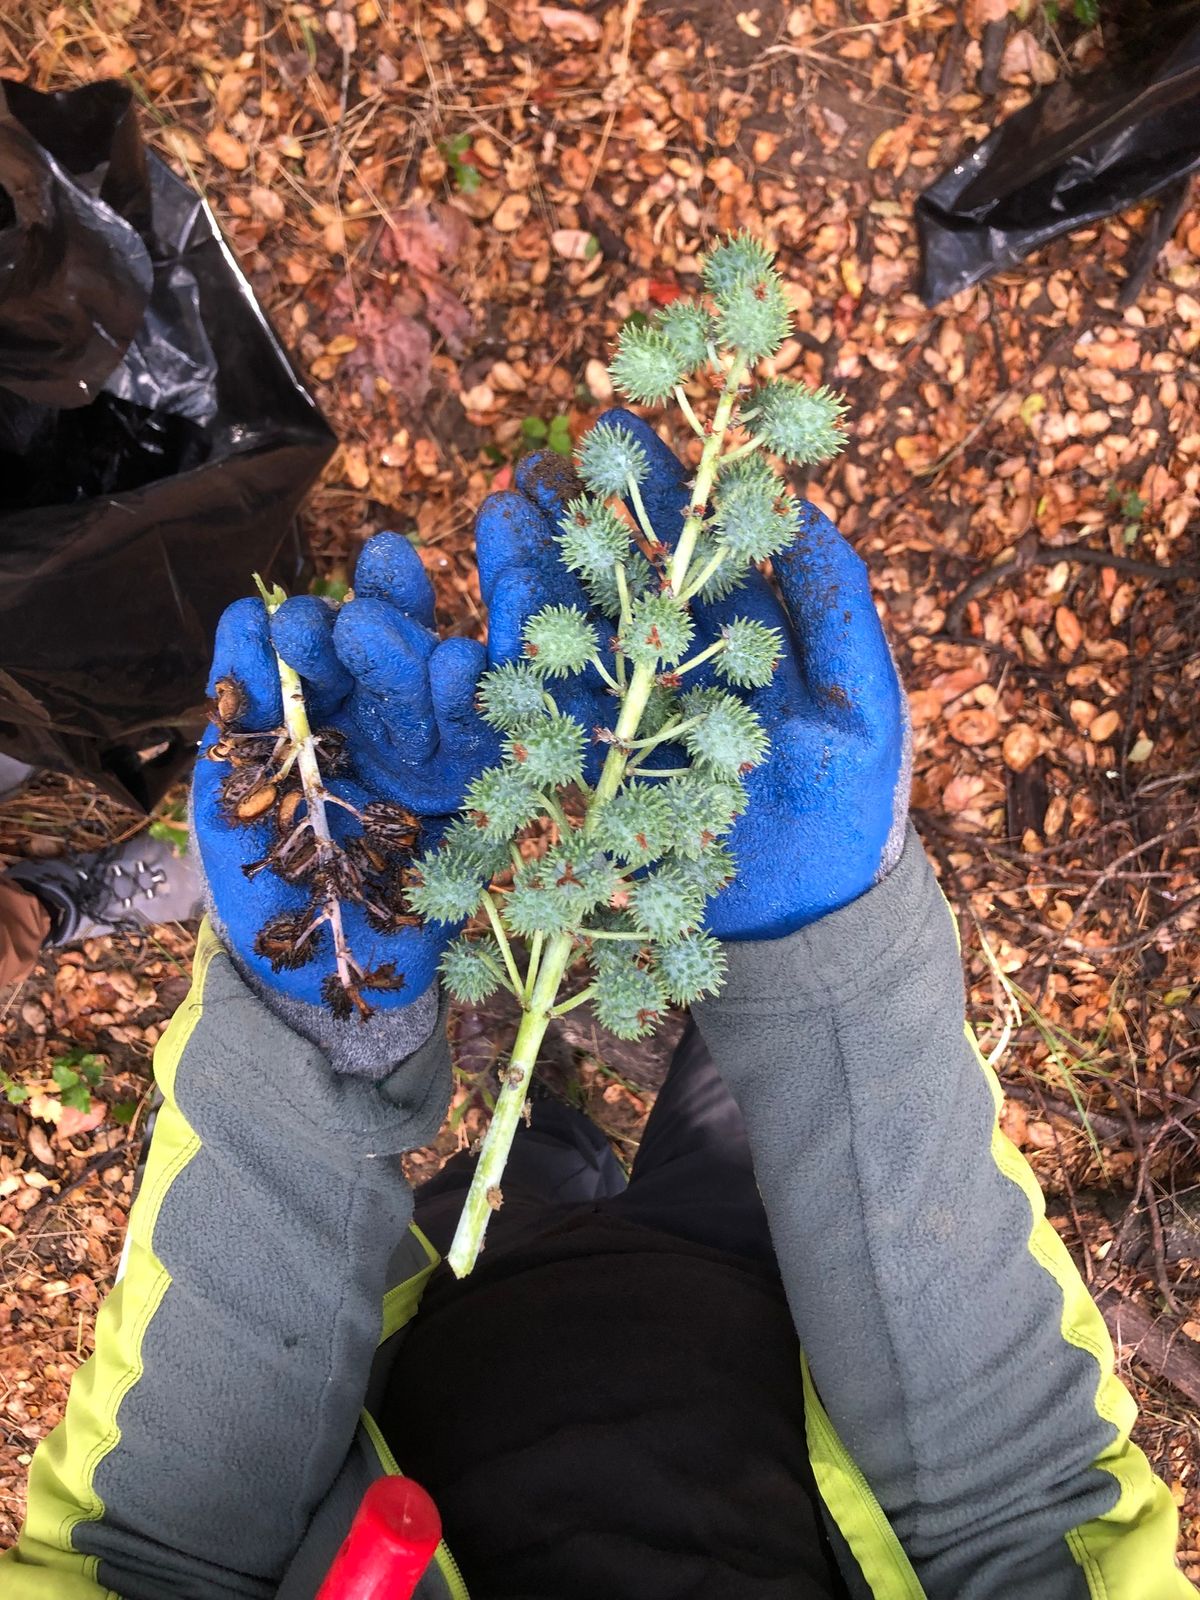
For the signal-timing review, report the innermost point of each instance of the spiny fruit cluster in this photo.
(638, 855)
(264, 784)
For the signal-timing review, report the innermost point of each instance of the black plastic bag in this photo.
(155, 442)
(1081, 149)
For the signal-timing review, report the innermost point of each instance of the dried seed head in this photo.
(338, 875)
(341, 1001)
(384, 976)
(331, 752)
(289, 940)
(384, 823)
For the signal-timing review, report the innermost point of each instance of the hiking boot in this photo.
(128, 886)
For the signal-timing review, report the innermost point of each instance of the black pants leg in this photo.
(692, 1177)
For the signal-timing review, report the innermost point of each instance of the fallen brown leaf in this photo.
(1066, 625)
(976, 725)
(230, 152)
(577, 26)
(1021, 746)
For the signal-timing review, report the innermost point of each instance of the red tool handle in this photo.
(390, 1544)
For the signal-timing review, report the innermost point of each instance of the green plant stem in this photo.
(535, 958)
(643, 516)
(707, 571)
(694, 661)
(556, 814)
(685, 405)
(575, 1000)
(706, 474)
(484, 1195)
(641, 748)
(622, 578)
(605, 674)
(498, 975)
(506, 950)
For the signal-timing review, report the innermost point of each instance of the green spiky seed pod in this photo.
(739, 258)
(559, 640)
(754, 317)
(585, 877)
(665, 904)
(466, 845)
(702, 808)
(728, 738)
(709, 872)
(800, 424)
(535, 905)
(472, 970)
(501, 801)
(647, 365)
(688, 327)
(548, 752)
(511, 696)
(592, 537)
(753, 510)
(449, 889)
(692, 967)
(751, 653)
(628, 1000)
(659, 630)
(636, 826)
(609, 457)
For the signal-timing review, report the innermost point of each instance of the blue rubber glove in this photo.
(828, 808)
(403, 702)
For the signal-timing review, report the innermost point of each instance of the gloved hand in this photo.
(827, 810)
(516, 550)
(403, 702)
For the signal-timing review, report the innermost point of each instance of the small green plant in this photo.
(464, 174)
(556, 434)
(170, 825)
(633, 859)
(335, 589)
(1131, 508)
(1085, 12)
(15, 1093)
(77, 1073)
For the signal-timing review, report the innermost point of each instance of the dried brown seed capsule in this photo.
(288, 807)
(229, 701)
(257, 803)
(384, 976)
(239, 787)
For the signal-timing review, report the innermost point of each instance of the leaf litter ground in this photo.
(449, 212)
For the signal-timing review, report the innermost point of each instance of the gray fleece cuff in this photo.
(370, 1049)
(836, 957)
